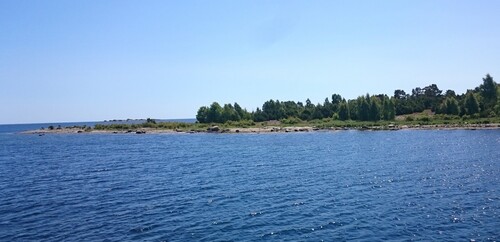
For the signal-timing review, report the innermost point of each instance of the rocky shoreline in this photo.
(266, 129)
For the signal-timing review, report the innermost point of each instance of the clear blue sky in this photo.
(95, 60)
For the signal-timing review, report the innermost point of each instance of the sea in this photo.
(406, 185)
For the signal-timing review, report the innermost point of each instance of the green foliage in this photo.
(374, 113)
(471, 104)
(425, 119)
(214, 113)
(446, 117)
(344, 113)
(240, 124)
(217, 114)
(488, 91)
(229, 114)
(497, 108)
(389, 109)
(483, 100)
(363, 108)
(202, 115)
(449, 106)
(113, 126)
(409, 118)
(242, 113)
(259, 116)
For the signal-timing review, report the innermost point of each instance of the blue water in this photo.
(331, 186)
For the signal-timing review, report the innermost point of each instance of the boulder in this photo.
(213, 129)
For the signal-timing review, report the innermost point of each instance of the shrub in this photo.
(425, 119)
(291, 120)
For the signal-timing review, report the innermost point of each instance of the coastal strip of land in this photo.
(261, 129)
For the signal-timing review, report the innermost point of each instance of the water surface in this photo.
(332, 186)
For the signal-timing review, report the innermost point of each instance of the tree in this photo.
(432, 96)
(308, 111)
(432, 91)
(353, 106)
(488, 91)
(450, 106)
(388, 109)
(259, 116)
(243, 113)
(483, 100)
(450, 93)
(328, 109)
(399, 94)
(402, 106)
(229, 114)
(363, 108)
(416, 92)
(202, 115)
(214, 113)
(374, 109)
(292, 109)
(273, 109)
(471, 105)
(344, 111)
(317, 113)
(497, 106)
(336, 99)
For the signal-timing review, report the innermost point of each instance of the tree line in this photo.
(482, 101)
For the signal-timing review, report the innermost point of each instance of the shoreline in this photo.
(265, 129)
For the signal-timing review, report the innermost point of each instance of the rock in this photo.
(213, 129)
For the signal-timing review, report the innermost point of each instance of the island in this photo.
(424, 108)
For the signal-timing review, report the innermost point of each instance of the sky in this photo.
(93, 60)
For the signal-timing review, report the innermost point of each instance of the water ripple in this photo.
(336, 186)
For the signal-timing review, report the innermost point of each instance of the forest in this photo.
(481, 102)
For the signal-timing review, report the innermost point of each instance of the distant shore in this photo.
(265, 129)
